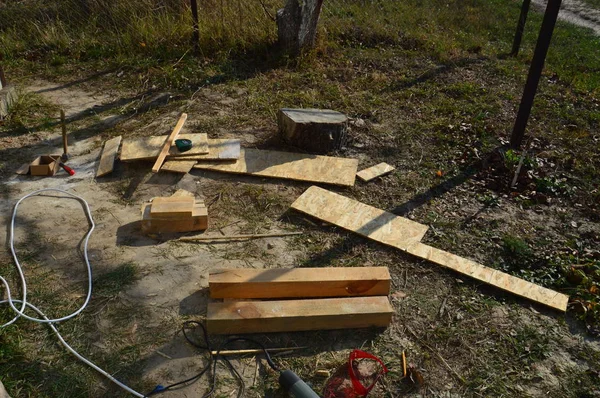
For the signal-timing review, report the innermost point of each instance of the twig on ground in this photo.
(236, 237)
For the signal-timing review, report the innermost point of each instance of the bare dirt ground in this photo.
(466, 325)
(578, 13)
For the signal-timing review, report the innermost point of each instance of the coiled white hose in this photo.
(20, 312)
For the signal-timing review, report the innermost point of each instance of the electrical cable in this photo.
(213, 361)
(24, 304)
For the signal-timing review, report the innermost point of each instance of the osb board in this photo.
(178, 166)
(293, 166)
(148, 148)
(373, 172)
(107, 158)
(240, 317)
(385, 228)
(243, 283)
(491, 276)
(358, 217)
(218, 149)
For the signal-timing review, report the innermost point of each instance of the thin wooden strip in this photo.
(499, 279)
(299, 282)
(178, 166)
(373, 172)
(108, 156)
(237, 237)
(147, 148)
(240, 317)
(168, 142)
(288, 165)
(358, 217)
(385, 228)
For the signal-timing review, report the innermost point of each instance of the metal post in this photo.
(520, 27)
(535, 72)
(196, 27)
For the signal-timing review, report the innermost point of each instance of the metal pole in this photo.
(196, 27)
(535, 72)
(520, 27)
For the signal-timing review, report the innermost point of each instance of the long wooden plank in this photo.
(373, 172)
(500, 279)
(299, 282)
(358, 217)
(239, 317)
(168, 142)
(388, 229)
(218, 149)
(288, 165)
(107, 158)
(147, 148)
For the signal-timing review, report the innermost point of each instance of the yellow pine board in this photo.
(239, 317)
(174, 206)
(491, 276)
(244, 283)
(288, 165)
(148, 148)
(107, 158)
(358, 217)
(373, 172)
(178, 166)
(169, 142)
(385, 228)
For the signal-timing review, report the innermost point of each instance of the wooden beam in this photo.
(198, 221)
(168, 142)
(391, 230)
(172, 207)
(108, 156)
(240, 317)
(299, 282)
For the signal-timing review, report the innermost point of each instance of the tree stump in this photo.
(297, 24)
(315, 130)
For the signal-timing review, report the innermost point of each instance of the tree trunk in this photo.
(297, 24)
(314, 130)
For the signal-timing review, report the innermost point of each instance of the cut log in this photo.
(297, 25)
(315, 130)
(239, 317)
(299, 282)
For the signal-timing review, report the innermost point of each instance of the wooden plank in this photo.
(373, 172)
(388, 229)
(173, 207)
(23, 170)
(218, 149)
(288, 165)
(299, 282)
(108, 156)
(358, 217)
(240, 317)
(198, 221)
(147, 148)
(499, 279)
(168, 142)
(178, 166)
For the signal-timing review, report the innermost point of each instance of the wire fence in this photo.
(95, 28)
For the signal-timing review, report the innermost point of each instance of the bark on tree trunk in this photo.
(297, 24)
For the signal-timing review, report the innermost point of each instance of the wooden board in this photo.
(358, 217)
(178, 166)
(23, 170)
(491, 276)
(240, 317)
(173, 207)
(373, 172)
(299, 282)
(198, 221)
(170, 141)
(147, 148)
(391, 230)
(108, 156)
(288, 165)
(218, 149)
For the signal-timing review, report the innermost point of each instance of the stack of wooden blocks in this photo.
(298, 299)
(177, 213)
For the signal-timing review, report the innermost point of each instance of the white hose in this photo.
(20, 312)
